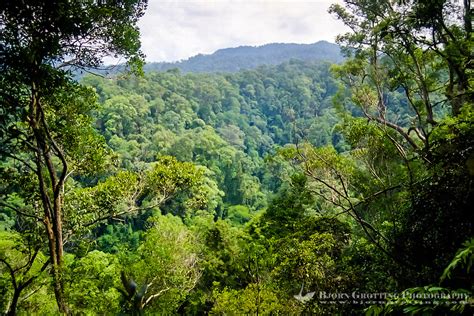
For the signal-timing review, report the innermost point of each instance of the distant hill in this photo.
(240, 58)
(249, 57)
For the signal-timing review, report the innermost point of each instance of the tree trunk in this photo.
(51, 186)
(56, 262)
(14, 302)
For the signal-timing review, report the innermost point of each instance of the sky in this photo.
(176, 30)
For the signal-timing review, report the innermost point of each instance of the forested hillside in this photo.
(306, 187)
(228, 123)
(249, 57)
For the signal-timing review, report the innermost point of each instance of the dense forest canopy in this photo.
(303, 187)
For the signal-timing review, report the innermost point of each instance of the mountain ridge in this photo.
(234, 59)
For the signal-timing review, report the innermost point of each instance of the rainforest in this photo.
(281, 180)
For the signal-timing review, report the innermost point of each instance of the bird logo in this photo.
(304, 298)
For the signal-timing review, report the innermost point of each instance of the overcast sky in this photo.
(179, 29)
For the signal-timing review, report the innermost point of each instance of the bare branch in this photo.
(16, 210)
(12, 272)
(149, 299)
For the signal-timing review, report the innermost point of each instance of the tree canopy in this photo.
(263, 191)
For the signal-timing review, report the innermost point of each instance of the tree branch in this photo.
(148, 300)
(15, 209)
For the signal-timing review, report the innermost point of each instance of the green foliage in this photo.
(91, 205)
(365, 267)
(127, 193)
(72, 126)
(238, 214)
(306, 261)
(165, 266)
(45, 115)
(119, 237)
(463, 259)
(254, 299)
(21, 267)
(167, 176)
(227, 123)
(91, 279)
(235, 193)
(222, 253)
(435, 299)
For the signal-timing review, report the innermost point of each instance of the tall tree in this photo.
(40, 43)
(423, 51)
(419, 47)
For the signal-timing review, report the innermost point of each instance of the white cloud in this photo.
(174, 30)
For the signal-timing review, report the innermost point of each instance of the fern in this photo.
(464, 257)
